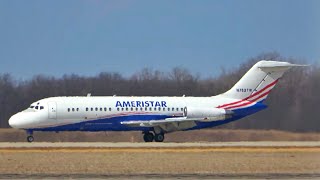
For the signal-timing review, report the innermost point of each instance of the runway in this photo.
(161, 160)
(164, 144)
(163, 147)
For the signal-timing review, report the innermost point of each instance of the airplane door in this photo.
(52, 110)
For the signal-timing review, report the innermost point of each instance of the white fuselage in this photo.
(61, 111)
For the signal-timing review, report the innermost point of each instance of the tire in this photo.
(30, 139)
(159, 137)
(148, 137)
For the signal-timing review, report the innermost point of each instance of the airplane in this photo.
(153, 116)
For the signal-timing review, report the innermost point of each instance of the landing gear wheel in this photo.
(30, 139)
(148, 137)
(159, 137)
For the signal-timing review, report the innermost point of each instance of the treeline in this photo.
(293, 104)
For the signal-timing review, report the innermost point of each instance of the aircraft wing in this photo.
(152, 123)
(173, 124)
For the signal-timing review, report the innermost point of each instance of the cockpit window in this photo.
(37, 106)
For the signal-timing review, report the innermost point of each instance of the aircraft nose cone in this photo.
(14, 121)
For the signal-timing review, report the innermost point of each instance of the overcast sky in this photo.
(87, 37)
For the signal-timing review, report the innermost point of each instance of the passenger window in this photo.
(159, 109)
(168, 109)
(181, 109)
(172, 109)
(127, 109)
(122, 109)
(109, 109)
(150, 109)
(37, 107)
(87, 109)
(68, 109)
(118, 109)
(91, 109)
(177, 109)
(72, 109)
(155, 109)
(146, 109)
(100, 109)
(131, 109)
(136, 109)
(164, 109)
(41, 107)
(141, 109)
(96, 109)
(77, 109)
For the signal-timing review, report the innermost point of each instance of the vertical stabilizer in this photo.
(257, 83)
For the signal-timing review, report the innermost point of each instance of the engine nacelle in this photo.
(207, 114)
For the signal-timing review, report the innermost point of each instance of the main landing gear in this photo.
(149, 137)
(30, 136)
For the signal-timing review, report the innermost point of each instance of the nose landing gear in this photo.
(30, 139)
(30, 136)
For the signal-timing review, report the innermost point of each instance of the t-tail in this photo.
(256, 84)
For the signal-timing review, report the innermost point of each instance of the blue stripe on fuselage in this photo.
(107, 124)
(238, 114)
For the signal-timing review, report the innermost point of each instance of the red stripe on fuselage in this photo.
(251, 96)
(249, 102)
